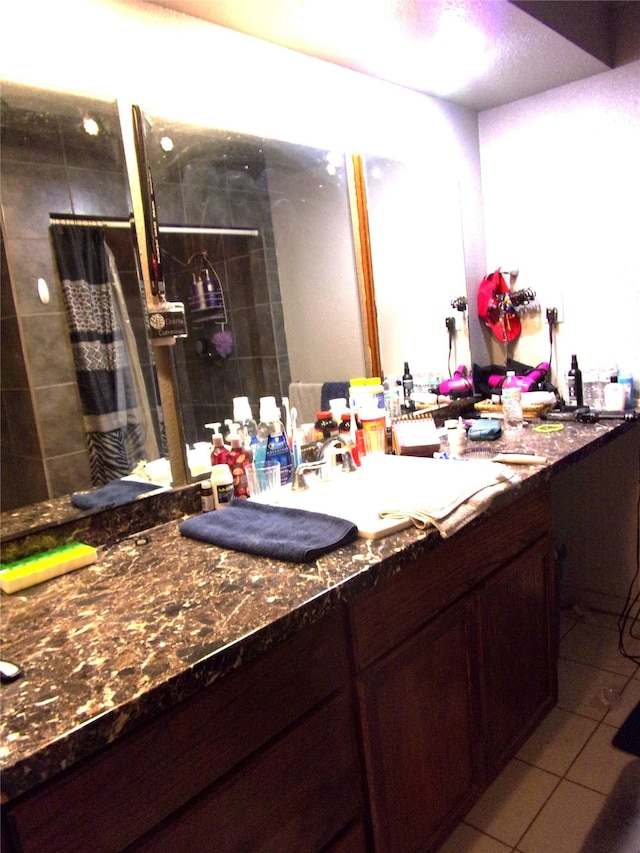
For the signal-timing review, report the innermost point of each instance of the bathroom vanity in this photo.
(180, 697)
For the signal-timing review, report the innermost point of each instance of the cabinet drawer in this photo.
(152, 772)
(383, 617)
(295, 796)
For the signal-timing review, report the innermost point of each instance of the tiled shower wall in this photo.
(219, 180)
(49, 165)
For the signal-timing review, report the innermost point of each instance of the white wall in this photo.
(561, 184)
(561, 190)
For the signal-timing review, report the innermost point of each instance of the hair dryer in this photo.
(524, 382)
(458, 386)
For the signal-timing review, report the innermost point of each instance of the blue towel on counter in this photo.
(295, 535)
(333, 391)
(115, 493)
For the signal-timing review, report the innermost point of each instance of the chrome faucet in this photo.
(299, 483)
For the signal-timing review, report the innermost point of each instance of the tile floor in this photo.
(568, 781)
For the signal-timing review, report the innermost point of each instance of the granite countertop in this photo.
(159, 617)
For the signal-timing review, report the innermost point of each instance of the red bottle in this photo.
(237, 458)
(220, 452)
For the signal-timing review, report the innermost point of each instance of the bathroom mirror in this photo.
(267, 223)
(62, 165)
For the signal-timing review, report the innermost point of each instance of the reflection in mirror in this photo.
(61, 154)
(417, 251)
(268, 223)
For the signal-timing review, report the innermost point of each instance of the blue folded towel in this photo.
(115, 493)
(295, 535)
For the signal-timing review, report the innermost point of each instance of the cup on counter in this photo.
(261, 480)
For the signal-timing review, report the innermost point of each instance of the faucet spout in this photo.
(299, 483)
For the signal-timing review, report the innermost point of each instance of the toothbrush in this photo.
(287, 422)
(295, 439)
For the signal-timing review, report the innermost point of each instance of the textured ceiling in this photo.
(478, 53)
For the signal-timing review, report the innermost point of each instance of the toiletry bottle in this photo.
(626, 380)
(272, 442)
(391, 399)
(222, 485)
(407, 388)
(211, 293)
(614, 396)
(344, 430)
(206, 496)
(278, 449)
(457, 436)
(512, 402)
(219, 452)
(243, 417)
(574, 383)
(325, 426)
(237, 460)
(196, 296)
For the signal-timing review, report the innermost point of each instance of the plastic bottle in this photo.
(222, 486)
(272, 442)
(614, 395)
(206, 496)
(325, 426)
(512, 402)
(237, 460)
(574, 383)
(407, 388)
(391, 398)
(457, 438)
(219, 452)
(626, 380)
(244, 418)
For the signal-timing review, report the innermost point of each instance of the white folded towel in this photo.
(460, 498)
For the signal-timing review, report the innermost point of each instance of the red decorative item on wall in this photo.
(496, 309)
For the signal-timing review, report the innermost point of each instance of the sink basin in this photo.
(383, 482)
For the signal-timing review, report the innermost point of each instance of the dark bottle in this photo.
(407, 388)
(325, 426)
(574, 383)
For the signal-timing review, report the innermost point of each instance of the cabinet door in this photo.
(518, 650)
(420, 712)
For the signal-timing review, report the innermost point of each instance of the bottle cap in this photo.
(269, 410)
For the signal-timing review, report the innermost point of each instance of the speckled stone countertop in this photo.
(159, 617)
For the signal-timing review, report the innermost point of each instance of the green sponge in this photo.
(49, 564)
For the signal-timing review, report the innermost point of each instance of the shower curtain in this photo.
(115, 407)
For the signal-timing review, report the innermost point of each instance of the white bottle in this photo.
(222, 486)
(457, 439)
(512, 403)
(614, 396)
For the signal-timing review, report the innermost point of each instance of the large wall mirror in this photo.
(267, 225)
(64, 187)
(256, 239)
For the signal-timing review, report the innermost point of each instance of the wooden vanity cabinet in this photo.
(264, 759)
(455, 661)
(519, 651)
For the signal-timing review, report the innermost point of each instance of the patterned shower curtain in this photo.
(115, 407)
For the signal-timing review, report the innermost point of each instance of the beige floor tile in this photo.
(597, 646)
(580, 687)
(629, 698)
(466, 839)
(599, 764)
(507, 808)
(557, 741)
(564, 822)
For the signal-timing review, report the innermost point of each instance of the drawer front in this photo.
(132, 785)
(295, 796)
